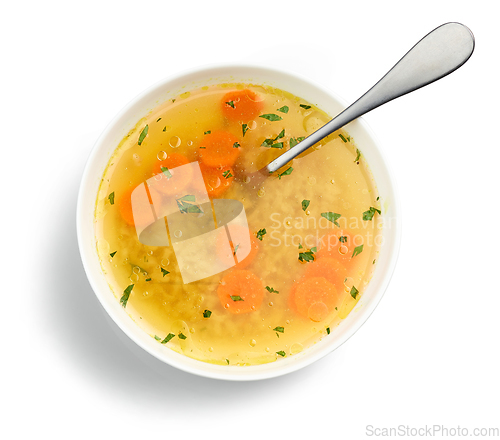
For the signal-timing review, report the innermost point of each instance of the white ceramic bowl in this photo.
(171, 87)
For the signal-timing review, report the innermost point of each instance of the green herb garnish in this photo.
(230, 103)
(307, 107)
(148, 279)
(271, 290)
(341, 136)
(125, 296)
(164, 272)
(271, 117)
(236, 297)
(143, 134)
(305, 204)
(281, 353)
(165, 171)
(354, 292)
(186, 205)
(207, 314)
(227, 360)
(227, 174)
(287, 172)
(112, 254)
(279, 329)
(158, 120)
(208, 132)
(182, 336)
(165, 128)
(332, 216)
(283, 109)
(111, 198)
(236, 145)
(167, 338)
(328, 330)
(307, 256)
(343, 239)
(295, 141)
(157, 338)
(236, 249)
(271, 141)
(357, 250)
(358, 155)
(244, 128)
(368, 215)
(277, 145)
(261, 233)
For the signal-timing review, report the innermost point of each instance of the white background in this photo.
(430, 352)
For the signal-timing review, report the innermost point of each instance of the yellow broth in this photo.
(320, 209)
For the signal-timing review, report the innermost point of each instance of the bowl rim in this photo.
(183, 362)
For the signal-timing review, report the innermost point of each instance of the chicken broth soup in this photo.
(220, 267)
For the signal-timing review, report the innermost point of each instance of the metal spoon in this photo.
(436, 55)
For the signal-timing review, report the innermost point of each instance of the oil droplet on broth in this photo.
(253, 342)
(261, 192)
(252, 125)
(165, 262)
(175, 141)
(178, 234)
(296, 348)
(343, 249)
(162, 155)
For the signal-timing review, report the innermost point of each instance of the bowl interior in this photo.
(169, 88)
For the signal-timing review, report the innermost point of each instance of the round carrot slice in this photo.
(241, 105)
(244, 247)
(240, 291)
(139, 216)
(314, 298)
(167, 168)
(218, 149)
(328, 268)
(217, 180)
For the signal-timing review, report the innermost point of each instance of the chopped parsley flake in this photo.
(281, 353)
(112, 254)
(148, 279)
(343, 239)
(227, 174)
(307, 107)
(306, 257)
(207, 314)
(332, 216)
(357, 250)
(158, 120)
(111, 198)
(165, 171)
(358, 155)
(283, 109)
(295, 141)
(186, 205)
(244, 128)
(287, 172)
(341, 136)
(167, 338)
(305, 204)
(236, 297)
(328, 330)
(236, 145)
(165, 128)
(230, 103)
(126, 295)
(368, 215)
(271, 117)
(164, 272)
(279, 329)
(271, 290)
(208, 132)
(157, 338)
(261, 233)
(143, 134)
(354, 292)
(236, 249)
(182, 336)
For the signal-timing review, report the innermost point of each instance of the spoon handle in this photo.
(436, 55)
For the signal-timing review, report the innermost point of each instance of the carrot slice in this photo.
(241, 105)
(165, 166)
(328, 268)
(142, 217)
(242, 244)
(241, 291)
(218, 149)
(314, 298)
(217, 180)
